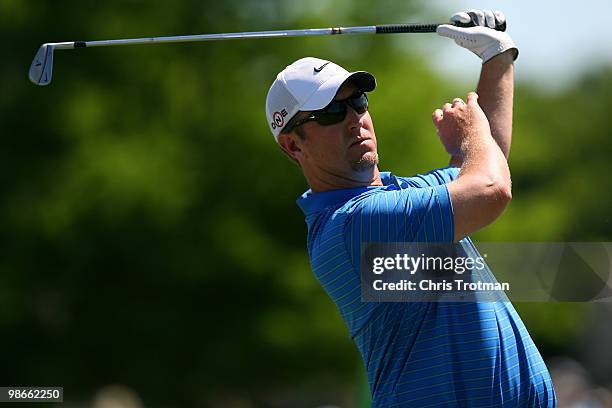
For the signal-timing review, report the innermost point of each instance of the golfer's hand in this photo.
(482, 39)
(460, 123)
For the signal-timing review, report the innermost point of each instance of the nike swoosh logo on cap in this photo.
(321, 67)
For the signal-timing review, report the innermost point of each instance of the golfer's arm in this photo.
(496, 93)
(482, 189)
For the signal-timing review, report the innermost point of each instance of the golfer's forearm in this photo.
(483, 189)
(496, 93)
(484, 163)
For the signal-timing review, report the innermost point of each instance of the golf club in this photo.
(42, 65)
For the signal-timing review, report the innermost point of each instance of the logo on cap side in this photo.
(278, 119)
(321, 67)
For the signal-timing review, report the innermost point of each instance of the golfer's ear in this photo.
(289, 145)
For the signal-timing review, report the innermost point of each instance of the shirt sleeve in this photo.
(433, 178)
(402, 215)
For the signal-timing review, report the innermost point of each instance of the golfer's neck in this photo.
(327, 181)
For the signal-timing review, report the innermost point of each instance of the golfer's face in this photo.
(343, 147)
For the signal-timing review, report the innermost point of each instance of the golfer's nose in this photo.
(352, 117)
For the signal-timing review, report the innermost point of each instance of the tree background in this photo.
(149, 233)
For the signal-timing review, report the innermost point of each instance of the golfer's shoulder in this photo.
(392, 208)
(432, 178)
(366, 208)
(398, 192)
(362, 203)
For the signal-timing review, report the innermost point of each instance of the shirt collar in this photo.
(311, 203)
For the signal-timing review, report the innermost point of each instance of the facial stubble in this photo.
(368, 161)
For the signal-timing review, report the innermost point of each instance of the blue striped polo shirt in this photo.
(429, 354)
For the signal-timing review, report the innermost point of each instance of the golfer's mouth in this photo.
(359, 141)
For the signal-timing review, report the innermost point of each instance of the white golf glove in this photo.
(482, 39)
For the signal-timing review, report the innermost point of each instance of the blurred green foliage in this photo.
(150, 235)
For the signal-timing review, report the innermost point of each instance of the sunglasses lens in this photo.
(330, 118)
(359, 103)
(335, 112)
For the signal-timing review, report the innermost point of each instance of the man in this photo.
(427, 354)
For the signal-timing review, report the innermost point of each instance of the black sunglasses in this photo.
(333, 113)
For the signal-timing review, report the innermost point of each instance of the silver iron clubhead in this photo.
(42, 65)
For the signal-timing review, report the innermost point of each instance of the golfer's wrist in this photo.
(503, 59)
(475, 143)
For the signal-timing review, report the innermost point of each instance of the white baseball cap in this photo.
(306, 85)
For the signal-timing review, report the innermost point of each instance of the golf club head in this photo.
(42, 65)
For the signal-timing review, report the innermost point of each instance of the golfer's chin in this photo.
(367, 161)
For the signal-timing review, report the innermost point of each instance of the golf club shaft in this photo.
(380, 29)
(42, 65)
